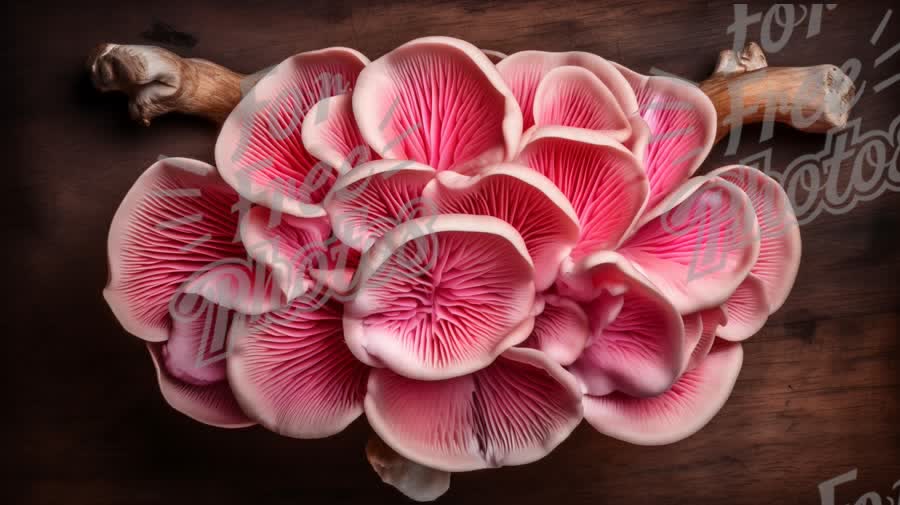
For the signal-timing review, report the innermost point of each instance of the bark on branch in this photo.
(743, 88)
(158, 81)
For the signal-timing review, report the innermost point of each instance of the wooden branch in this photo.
(743, 88)
(158, 82)
(416, 481)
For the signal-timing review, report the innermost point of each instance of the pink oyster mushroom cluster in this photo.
(474, 251)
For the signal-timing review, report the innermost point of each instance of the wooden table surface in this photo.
(819, 394)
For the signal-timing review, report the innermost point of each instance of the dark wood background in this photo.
(819, 394)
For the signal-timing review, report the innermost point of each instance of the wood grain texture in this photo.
(819, 393)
